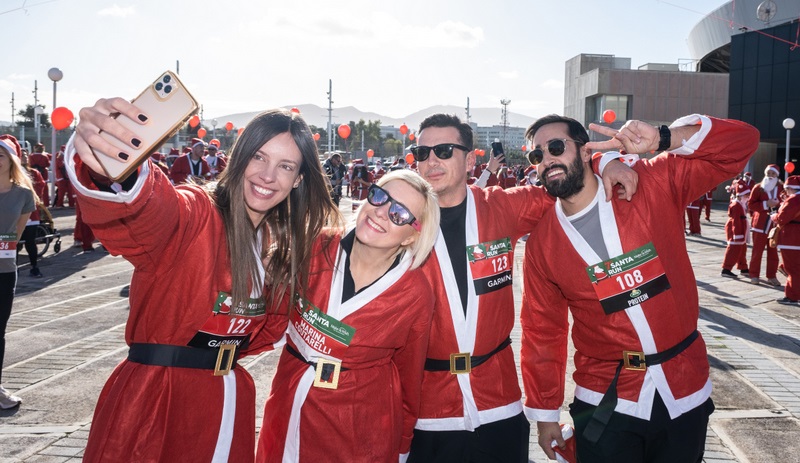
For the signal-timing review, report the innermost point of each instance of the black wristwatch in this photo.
(666, 139)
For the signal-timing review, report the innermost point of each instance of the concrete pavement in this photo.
(66, 335)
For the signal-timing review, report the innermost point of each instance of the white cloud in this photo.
(508, 75)
(553, 83)
(16, 76)
(117, 11)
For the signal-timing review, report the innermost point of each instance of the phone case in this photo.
(168, 105)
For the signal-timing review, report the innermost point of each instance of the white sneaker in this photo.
(7, 400)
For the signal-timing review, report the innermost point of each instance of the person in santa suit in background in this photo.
(360, 180)
(642, 373)
(362, 391)
(531, 176)
(191, 166)
(63, 185)
(172, 156)
(693, 213)
(40, 160)
(378, 172)
(708, 199)
(470, 408)
(765, 198)
(736, 233)
(488, 171)
(215, 160)
(240, 250)
(158, 159)
(506, 178)
(787, 219)
(29, 234)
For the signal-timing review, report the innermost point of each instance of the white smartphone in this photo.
(168, 105)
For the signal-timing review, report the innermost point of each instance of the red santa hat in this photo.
(214, 142)
(157, 156)
(529, 169)
(198, 141)
(174, 151)
(742, 189)
(793, 182)
(358, 161)
(772, 167)
(749, 174)
(10, 144)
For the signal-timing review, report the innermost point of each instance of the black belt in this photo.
(631, 361)
(299, 356)
(220, 360)
(463, 362)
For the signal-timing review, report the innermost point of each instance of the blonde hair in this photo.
(429, 219)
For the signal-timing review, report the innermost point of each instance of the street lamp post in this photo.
(788, 124)
(213, 128)
(55, 75)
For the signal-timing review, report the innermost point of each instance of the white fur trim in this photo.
(225, 437)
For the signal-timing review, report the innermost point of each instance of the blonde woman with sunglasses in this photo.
(348, 383)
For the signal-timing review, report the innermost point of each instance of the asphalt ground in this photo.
(65, 336)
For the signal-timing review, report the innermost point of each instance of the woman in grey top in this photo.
(17, 201)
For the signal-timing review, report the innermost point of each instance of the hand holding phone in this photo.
(167, 105)
(497, 147)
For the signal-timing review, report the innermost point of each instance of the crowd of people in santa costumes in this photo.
(360, 180)
(693, 215)
(737, 232)
(765, 198)
(191, 166)
(787, 239)
(40, 160)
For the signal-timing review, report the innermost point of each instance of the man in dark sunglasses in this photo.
(622, 270)
(470, 407)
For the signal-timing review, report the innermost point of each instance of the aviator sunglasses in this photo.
(555, 147)
(442, 151)
(398, 213)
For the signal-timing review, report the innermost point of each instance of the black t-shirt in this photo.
(349, 285)
(454, 229)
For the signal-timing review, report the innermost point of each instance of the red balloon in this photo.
(370, 153)
(201, 132)
(403, 129)
(411, 136)
(295, 110)
(229, 126)
(524, 148)
(194, 121)
(316, 137)
(409, 158)
(344, 130)
(609, 116)
(61, 118)
(239, 132)
(789, 167)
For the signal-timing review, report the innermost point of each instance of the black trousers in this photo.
(8, 284)
(504, 441)
(633, 440)
(29, 235)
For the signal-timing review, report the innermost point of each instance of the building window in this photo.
(616, 103)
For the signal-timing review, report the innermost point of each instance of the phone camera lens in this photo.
(167, 79)
(167, 88)
(159, 86)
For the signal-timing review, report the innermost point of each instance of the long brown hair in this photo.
(289, 228)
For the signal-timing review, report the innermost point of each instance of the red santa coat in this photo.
(760, 211)
(370, 416)
(556, 280)
(490, 392)
(736, 226)
(788, 217)
(154, 413)
(216, 165)
(181, 170)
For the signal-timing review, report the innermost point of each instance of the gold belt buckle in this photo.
(454, 368)
(231, 350)
(327, 374)
(627, 355)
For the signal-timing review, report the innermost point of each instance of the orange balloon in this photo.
(403, 129)
(609, 116)
(411, 136)
(239, 132)
(295, 110)
(524, 148)
(201, 132)
(229, 126)
(344, 131)
(789, 167)
(316, 137)
(370, 153)
(409, 158)
(61, 118)
(194, 121)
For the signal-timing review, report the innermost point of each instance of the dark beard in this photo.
(571, 185)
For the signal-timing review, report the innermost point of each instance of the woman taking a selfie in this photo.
(209, 262)
(348, 382)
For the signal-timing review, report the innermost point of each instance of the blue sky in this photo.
(388, 57)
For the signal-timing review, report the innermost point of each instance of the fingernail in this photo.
(142, 117)
(123, 156)
(136, 142)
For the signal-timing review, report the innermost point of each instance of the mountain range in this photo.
(317, 116)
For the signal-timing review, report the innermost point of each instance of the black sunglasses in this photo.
(555, 147)
(398, 213)
(442, 151)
